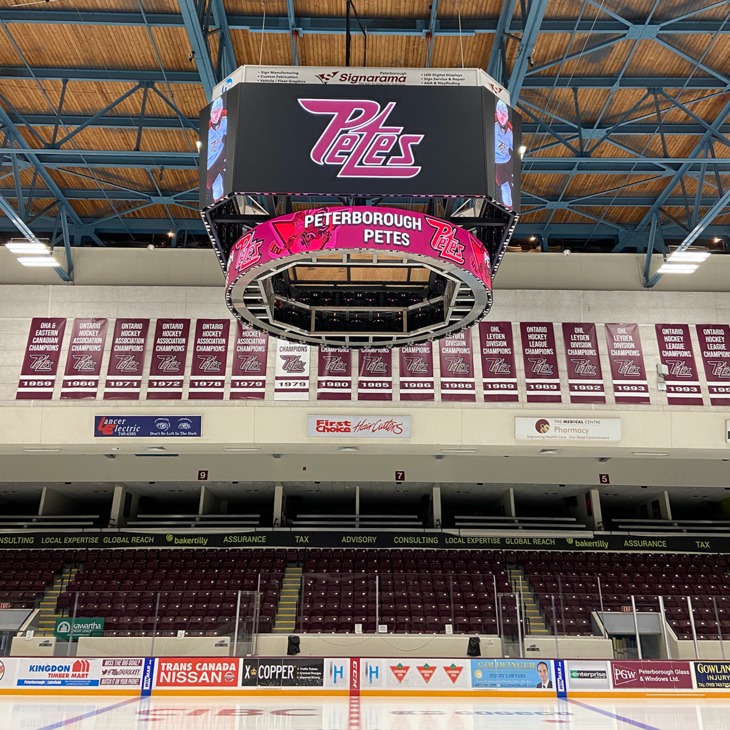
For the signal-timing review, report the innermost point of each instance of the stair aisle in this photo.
(48, 611)
(286, 614)
(534, 619)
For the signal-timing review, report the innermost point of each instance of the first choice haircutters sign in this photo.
(366, 426)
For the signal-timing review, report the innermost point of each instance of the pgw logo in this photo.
(358, 141)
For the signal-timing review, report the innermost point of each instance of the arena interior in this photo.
(252, 467)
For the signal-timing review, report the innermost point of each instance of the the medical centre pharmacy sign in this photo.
(567, 429)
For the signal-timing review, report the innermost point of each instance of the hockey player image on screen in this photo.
(217, 130)
(503, 144)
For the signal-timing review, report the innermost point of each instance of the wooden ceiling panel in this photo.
(653, 59)
(268, 49)
(610, 185)
(467, 51)
(668, 9)
(486, 9)
(542, 185)
(396, 51)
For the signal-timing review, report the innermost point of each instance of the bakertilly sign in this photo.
(445, 540)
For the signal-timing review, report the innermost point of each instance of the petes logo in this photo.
(292, 364)
(584, 367)
(168, 364)
(41, 363)
(628, 368)
(444, 241)
(540, 366)
(209, 364)
(497, 366)
(247, 251)
(720, 369)
(358, 141)
(679, 369)
(416, 365)
(335, 364)
(127, 364)
(458, 366)
(374, 365)
(249, 363)
(84, 363)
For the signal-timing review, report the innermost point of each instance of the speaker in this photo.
(292, 645)
(474, 649)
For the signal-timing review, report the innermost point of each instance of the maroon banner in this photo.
(334, 374)
(676, 353)
(169, 353)
(210, 359)
(126, 360)
(248, 378)
(291, 371)
(83, 360)
(627, 364)
(375, 374)
(585, 376)
(40, 362)
(416, 372)
(542, 377)
(499, 371)
(651, 675)
(715, 353)
(456, 359)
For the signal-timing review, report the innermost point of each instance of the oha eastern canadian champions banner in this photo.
(40, 363)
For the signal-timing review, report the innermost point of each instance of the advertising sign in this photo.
(147, 426)
(375, 374)
(651, 675)
(712, 675)
(676, 353)
(627, 364)
(126, 360)
(210, 359)
(292, 371)
(283, 672)
(568, 429)
(57, 672)
(337, 673)
(334, 374)
(585, 376)
(542, 377)
(83, 360)
(456, 360)
(511, 674)
(169, 354)
(369, 426)
(499, 371)
(250, 352)
(715, 352)
(416, 372)
(66, 627)
(588, 675)
(326, 137)
(198, 672)
(121, 672)
(40, 361)
(415, 673)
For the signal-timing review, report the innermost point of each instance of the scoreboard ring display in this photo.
(356, 276)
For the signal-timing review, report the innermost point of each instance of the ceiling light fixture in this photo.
(688, 257)
(458, 452)
(27, 247)
(348, 449)
(48, 261)
(670, 268)
(650, 453)
(549, 451)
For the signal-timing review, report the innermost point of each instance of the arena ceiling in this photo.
(625, 106)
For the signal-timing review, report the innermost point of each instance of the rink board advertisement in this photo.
(411, 675)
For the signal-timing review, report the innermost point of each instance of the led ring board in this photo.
(358, 277)
(406, 192)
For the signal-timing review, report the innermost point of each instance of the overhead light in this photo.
(522, 149)
(458, 451)
(677, 269)
(242, 449)
(198, 144)
(171, 234)
(688, 257)
(26, 247)
(348, 449)
(37, 261)
(650, 453)
(549, 451)
(533, 239)
(41, 451)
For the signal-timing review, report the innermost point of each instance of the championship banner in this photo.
(456, 360)
(40, 362)
(627, 364)
(334, 374)
(210, 359)
(83, 360)
(585, 376)
(675, 351)
(248, 378)
(715, 352)
(375, 374)
(542, 377)
(416, 372)
(292, 371)
(126, 360)
(499, 371)
(169, 353)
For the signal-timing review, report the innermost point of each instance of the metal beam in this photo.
(227, 52)
(533, 21)
(496, 67)
(198, 46)
(431, 32)
(294, 31)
